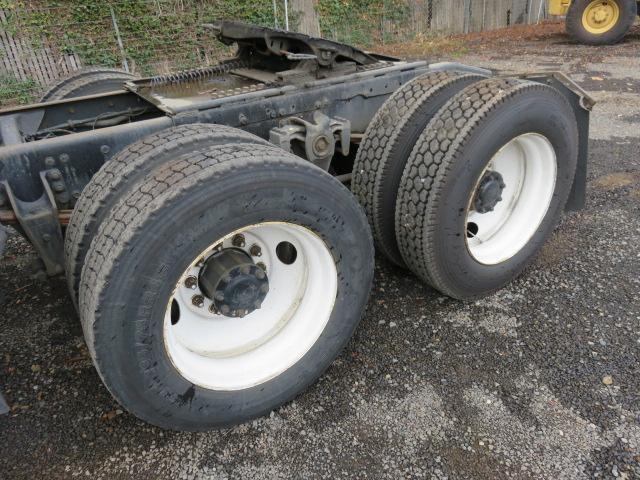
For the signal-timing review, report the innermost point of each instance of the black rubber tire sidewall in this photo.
(158, 155)
(133, 358)
(88, 81)
(396, 163)
(532, 112)
(575, 28)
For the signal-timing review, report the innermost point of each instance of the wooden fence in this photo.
(29, 59)
(28, 64)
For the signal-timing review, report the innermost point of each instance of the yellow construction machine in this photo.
(597, 22)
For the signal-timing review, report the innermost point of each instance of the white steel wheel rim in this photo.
(528, 167)
(224, 353)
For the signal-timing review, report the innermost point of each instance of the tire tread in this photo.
(430, 163)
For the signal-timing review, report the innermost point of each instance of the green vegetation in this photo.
(170, 31)
(13, 90)
(164, 35)
(365, 22)
(152, 32)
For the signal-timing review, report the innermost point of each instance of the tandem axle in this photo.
(217, 260)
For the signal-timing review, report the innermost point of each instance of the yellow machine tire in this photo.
(600, 22)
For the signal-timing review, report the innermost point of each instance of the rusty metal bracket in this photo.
(318, 137)
(39, 222)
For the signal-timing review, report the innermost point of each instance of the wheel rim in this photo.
(510, 199)
(600, 16)
(221, 352)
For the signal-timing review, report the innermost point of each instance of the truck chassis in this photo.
(320, 100)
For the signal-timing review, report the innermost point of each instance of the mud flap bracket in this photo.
(39, 222)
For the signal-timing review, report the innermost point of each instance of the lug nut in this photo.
(219, 296)
(238, 241)
(198, 301)
(54, 174)
(213, 309)
(225, 309)
(255, 250)
(259, 274)
(191, 282)
(262, 266)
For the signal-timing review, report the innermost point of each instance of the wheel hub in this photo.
(489, 192)
(233, 282)
(600, 16)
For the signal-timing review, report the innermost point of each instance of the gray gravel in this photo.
(541, 380)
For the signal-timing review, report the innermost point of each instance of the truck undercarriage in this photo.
(323, 102)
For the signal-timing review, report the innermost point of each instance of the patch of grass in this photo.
(14, 91)
(427, 46)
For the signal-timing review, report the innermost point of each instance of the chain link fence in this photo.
(41, 42)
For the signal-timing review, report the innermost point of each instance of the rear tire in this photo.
(177, 219)
(453, 230)
(600, 22)
(89, 81)
(123, 171)
(387, 143)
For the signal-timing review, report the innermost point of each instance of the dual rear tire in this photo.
(222, 275)
(218, 276)
(482, 187)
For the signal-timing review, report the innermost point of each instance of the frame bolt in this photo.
(58, 187)
(198, 301)
(238, 241)
(54, 174)
(191, 282)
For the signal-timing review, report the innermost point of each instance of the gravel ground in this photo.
(541, 380)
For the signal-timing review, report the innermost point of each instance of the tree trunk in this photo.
(307, 17)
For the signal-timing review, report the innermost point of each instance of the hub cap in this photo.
(263, 333)
(489, 192)
(233, 282)
(600, 16)
(511, 199)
